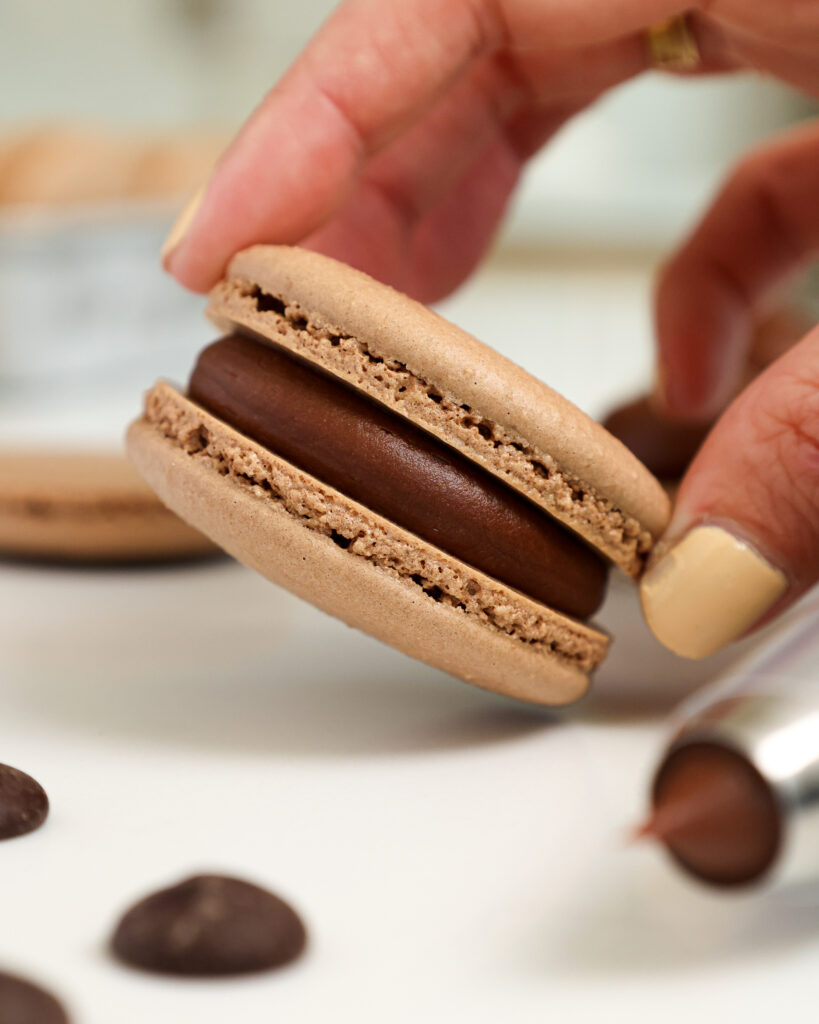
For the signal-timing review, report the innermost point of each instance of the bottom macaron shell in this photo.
(261, 534)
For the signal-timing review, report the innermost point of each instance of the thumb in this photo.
(743, 542)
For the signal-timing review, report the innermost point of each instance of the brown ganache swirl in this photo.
(396, 469)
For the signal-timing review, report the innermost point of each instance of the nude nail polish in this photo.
(181, 226)
(708, 590)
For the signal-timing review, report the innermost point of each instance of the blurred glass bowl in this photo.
(83, 299)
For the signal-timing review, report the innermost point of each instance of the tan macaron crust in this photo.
(87, 507)
(355, 447)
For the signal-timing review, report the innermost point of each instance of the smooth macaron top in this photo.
(422, 367)
(44, 479)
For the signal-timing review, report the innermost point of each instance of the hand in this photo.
(744, 538)
(394, 142)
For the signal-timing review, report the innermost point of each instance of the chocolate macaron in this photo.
(87, 508)
(350, 444)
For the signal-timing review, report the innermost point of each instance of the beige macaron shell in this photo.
(246, 521)
(68, 164)
(457, 363)
(87, 507)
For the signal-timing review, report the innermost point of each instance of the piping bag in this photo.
(735, 799)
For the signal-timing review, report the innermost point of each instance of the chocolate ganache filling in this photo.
(386, 463)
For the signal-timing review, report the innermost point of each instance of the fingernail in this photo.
(181, 225)
(707, 591)
(672, 398)
(659, 386)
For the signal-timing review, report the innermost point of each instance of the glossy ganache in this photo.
(384, 462)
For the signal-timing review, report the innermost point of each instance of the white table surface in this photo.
(456, 856)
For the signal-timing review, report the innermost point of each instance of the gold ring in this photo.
(672, 46)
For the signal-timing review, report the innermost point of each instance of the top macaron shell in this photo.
(421, 366)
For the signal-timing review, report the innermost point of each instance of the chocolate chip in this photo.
(209, 925)
(664, 445)
(24, 1003)
(23, 804)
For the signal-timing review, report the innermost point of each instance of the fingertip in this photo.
(707, 590)
(193, 265)
(181, 225)
(742, 543)
(188, 272)
(690, 397)
(685, 398)
(704, 330)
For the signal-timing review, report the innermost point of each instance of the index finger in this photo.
(372, 70)
(762, 227)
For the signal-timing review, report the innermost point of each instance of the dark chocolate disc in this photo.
(23, 804)
(716, 814)
(394, 468)
(21, 1002)
(663, 445)
(209, 925)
